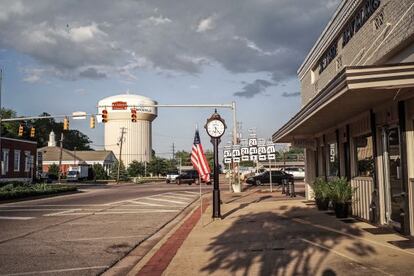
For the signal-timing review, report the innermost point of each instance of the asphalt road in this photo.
(85, 233)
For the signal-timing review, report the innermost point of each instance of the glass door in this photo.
(395, 198)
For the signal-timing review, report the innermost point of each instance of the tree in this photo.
(136, 169)
(9, 129)
(123, 175)
(157, 166)
(184, 156)
(54, 170)
(99, 172)
(249, 163)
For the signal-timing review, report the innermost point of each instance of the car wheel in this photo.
(258, 183)
(179, 182)
(168, 181)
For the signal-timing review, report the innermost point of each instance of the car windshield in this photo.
(72, 173)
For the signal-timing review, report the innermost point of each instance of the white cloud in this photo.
(206, 24)
(84, 33)
(71, 42)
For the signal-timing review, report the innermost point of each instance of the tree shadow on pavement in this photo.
(282, 243)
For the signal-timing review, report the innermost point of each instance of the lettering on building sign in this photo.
(359, 19)
(351, 28)
(119, 105)
(332, 153)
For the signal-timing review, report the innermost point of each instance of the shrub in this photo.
(341, 191)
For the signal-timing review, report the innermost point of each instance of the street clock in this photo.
(215, 126)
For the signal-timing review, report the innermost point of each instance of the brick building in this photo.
(18, 160)
(357, 115)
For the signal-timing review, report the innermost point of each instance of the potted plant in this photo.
(341, 193)
(321, 189)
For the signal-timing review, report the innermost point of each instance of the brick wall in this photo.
(369, 46)
(11, 145)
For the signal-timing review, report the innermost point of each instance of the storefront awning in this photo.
(353, 91)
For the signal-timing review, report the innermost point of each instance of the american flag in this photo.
(199, 160)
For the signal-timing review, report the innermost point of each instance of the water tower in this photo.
(137, 142)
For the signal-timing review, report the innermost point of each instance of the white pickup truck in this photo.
(298, 173)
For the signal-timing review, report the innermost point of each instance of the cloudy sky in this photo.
(64, 56)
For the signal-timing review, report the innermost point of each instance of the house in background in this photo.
(17, 160)
(51, 155)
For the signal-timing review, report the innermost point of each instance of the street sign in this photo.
(79, 115)
(252, 142)
(227, 160)
(236, 154)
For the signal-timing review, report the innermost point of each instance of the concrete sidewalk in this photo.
(264, 233)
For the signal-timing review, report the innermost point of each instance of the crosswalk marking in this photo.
(146, 203)
(17, 218)
(181, 195)
(193, 193)
(175, 197)
(166, 200)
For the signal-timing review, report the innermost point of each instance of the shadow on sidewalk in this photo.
(270, 244)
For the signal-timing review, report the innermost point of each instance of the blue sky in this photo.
(66, 56)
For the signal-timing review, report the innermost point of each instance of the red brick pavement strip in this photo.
(162, 258)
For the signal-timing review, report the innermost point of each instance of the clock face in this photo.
(215, 128)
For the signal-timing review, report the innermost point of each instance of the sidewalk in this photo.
(264, 233)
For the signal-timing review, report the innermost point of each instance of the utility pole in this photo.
(60, 156)
(173, 151)
(121, 141)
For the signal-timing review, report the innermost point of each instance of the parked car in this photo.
(298, 173)
(264, 178)
(171, 176)
(190, 177)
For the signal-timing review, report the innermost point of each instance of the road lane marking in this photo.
(30, 210)
(146, 203)
(176, 197)
(16, 218)
(167, 200)
(346, 257)
(63, 212)
(114, 212)
(193, 193)
(56, 270)
(183, 195)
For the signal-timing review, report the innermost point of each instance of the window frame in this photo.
(17, 154)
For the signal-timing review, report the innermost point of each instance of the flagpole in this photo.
(201, 195)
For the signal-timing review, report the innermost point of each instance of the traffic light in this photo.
(21, 130)
(104, 116)
(134, 115)
(32, 132)
(92, 122)
(66, 123)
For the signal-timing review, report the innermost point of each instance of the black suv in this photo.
(189, 177)
(264, 178)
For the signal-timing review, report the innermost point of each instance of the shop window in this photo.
(364, 156)
(17, 160)
(332, 160)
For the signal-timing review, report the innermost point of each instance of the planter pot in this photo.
(341, 210)
(322, 204)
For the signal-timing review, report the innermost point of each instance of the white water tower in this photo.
(137, 142)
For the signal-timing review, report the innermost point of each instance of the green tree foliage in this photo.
(72, 138)
(184, 156)
(123, 175)
(54, 169)
(136, 169)
(99, 172)
(9, 129)
(172, 165)
(157, 166)
(247, 164)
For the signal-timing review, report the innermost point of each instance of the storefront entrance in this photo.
(394, 191)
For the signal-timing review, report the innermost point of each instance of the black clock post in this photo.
(215, 127)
